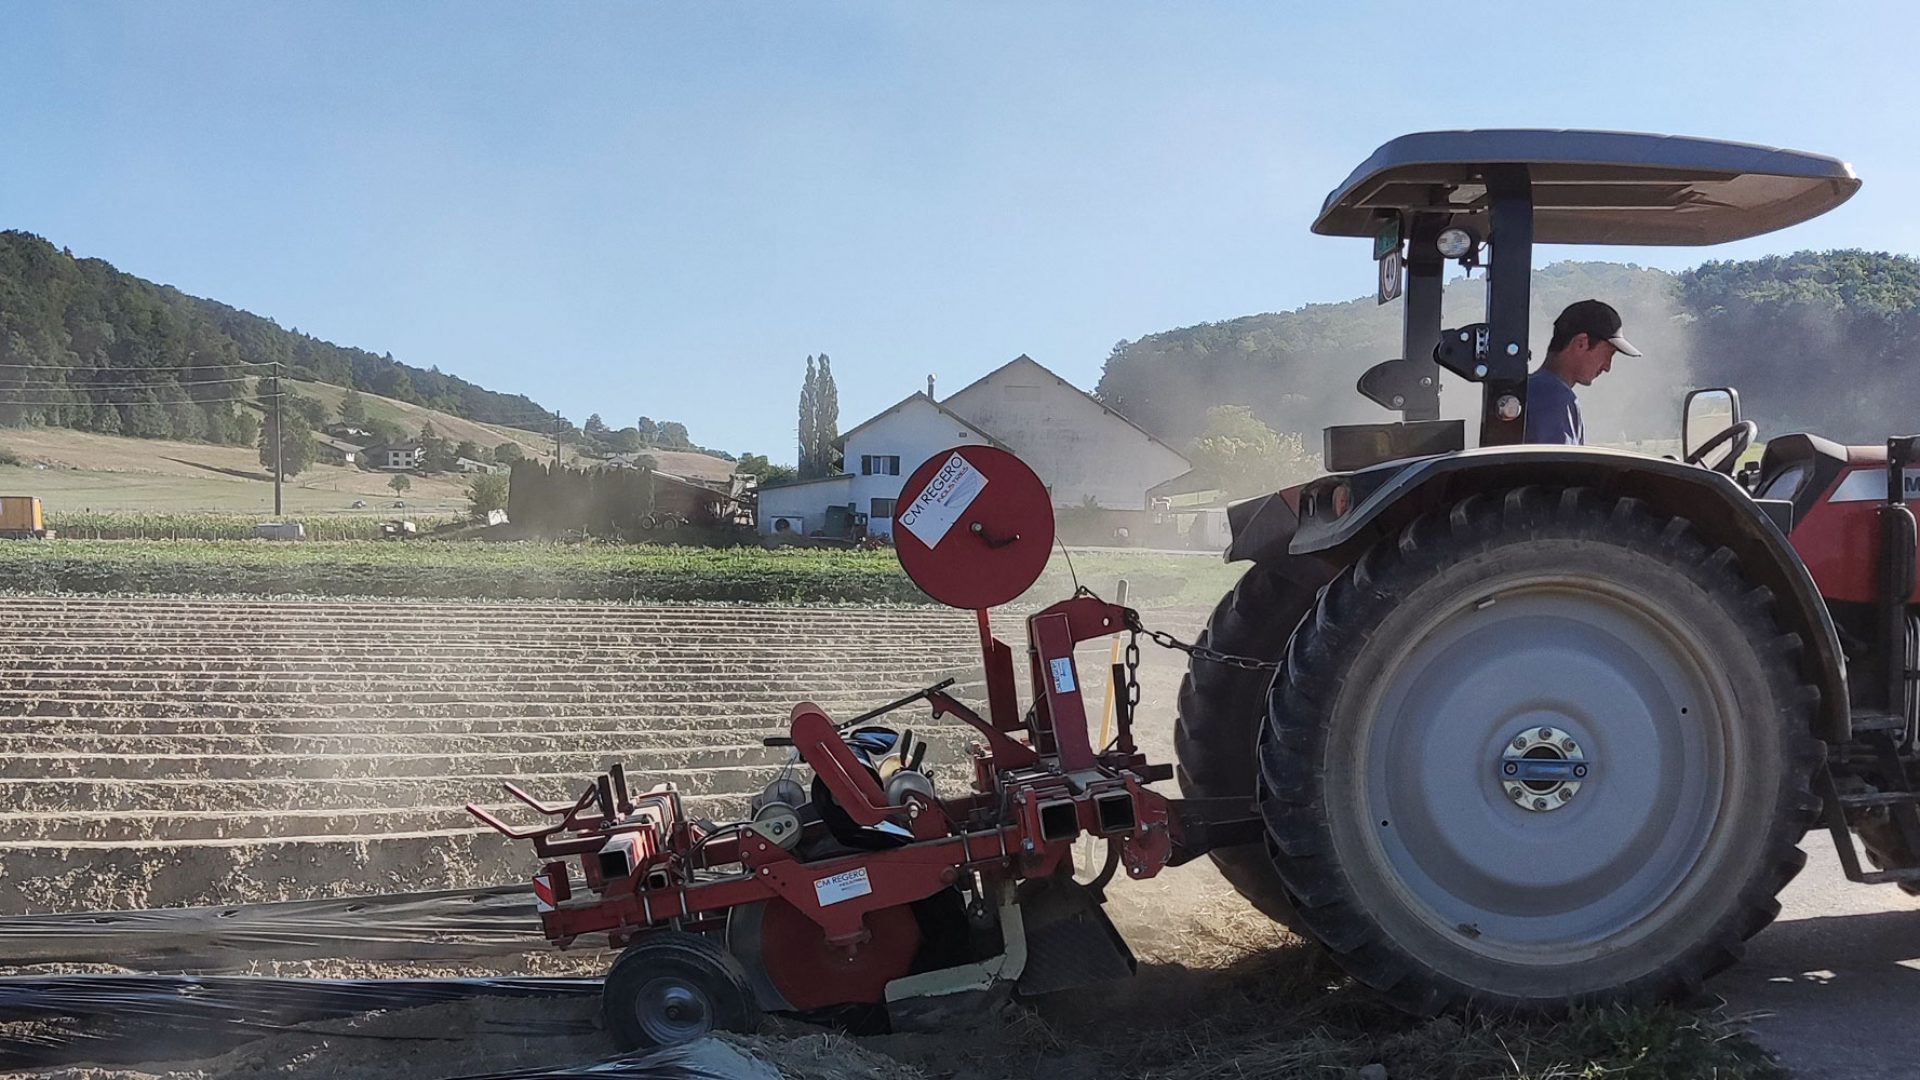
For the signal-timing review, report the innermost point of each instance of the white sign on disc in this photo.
(946, 497)
(840, 888)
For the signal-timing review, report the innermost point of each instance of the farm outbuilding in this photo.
(806, 507)
(335, 451)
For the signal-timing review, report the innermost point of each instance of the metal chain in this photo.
(1133, 673)
(1168, 641)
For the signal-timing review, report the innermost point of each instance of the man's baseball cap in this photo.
(1597, 320)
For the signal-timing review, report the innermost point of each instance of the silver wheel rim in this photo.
(672, 1011)
(1632, 684)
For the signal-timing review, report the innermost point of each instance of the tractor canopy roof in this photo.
(1594, 187)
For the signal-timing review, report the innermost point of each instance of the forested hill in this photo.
(1821, 341)
(84, 345)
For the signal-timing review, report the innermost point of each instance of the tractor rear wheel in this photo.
(1222, 708)
(1545, 748)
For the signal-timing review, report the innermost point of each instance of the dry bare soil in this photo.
(168, 751)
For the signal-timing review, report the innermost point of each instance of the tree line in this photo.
(1822, 341)
(83, 345)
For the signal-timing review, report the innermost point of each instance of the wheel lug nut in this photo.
(1513, 792)
(1569, 746)
(1519, 742)
(1539, 804)
(1546, 733)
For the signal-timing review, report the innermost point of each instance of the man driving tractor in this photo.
(1585, 338)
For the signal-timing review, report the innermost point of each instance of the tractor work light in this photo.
(1456, 242)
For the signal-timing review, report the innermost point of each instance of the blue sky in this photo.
(662, 209)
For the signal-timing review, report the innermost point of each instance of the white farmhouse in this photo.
(1083, 451)
(393, 457)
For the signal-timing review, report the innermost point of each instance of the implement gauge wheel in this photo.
(670, 987)
(1546, 748)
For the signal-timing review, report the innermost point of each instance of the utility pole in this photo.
(279, 439)
(556, 438)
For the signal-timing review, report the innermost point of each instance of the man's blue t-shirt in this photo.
(1553, 414)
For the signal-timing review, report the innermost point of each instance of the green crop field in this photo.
(525, 570)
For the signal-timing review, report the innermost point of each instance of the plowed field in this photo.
(158, 752)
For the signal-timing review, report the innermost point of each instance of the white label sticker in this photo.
(1062, 675)
(1870, 485)
(841, 887)
(946, 497)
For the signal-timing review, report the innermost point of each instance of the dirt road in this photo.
(1837, 977)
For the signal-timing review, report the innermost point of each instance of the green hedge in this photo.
(433, 569)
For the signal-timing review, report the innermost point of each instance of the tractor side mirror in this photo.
(1707, 413)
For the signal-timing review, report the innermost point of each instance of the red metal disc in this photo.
(973, 527)
(812, 974)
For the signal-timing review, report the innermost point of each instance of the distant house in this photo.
(468, 465)
(357, 436)
(393, 457)
(335, 451)
(1088, 456)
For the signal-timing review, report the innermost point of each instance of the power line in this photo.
(7, 384)
(104, 393)
(144, 367)
(190, 401)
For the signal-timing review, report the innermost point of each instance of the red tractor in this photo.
(1518, 725)
(1549, 722)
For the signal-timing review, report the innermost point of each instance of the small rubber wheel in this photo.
(671, 987)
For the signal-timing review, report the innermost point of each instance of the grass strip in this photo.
(544, 571)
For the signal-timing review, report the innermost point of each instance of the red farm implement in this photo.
(873, 888)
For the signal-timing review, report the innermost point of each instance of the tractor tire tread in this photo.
(1221, 710)
(1291, 744)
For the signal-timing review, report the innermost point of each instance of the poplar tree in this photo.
(826, 418)
(809, 423)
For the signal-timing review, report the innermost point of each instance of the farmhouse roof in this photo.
(341, 445)
(689, 483)
(1023, 358)
(921, 395)
(802, 483)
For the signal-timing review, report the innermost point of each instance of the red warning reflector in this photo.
(973, 527)
(543, 899)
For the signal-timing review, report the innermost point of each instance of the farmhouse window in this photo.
(879, 464)
(882, 508)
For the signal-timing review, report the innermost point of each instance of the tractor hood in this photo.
(1595, 187)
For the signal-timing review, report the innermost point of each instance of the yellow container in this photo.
(21, 513)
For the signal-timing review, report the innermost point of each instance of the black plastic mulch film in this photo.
(124, 1019)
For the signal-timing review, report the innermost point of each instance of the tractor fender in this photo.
(1379, 501)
